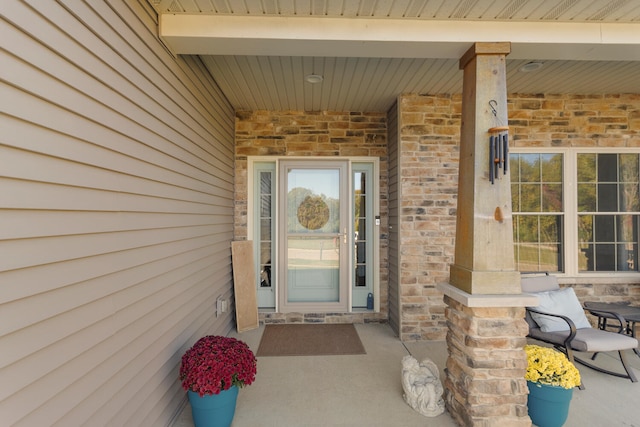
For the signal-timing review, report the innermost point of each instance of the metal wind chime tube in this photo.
(498, 148)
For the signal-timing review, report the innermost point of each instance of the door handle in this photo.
(344, 235)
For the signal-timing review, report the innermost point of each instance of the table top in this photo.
(627, 311)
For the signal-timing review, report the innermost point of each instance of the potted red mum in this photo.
(212, 371)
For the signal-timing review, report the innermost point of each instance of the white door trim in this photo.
(251, 230)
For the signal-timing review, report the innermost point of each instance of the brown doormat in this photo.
(310, 340)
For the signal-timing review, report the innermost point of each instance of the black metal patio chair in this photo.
(560, 320)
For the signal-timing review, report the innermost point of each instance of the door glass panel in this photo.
(314, 237)
(265, 230)
(266, 221)
(263, 183)
(313, 204)
(265, 268)
(362, 194)
(314, 269)
(360, 220)
(361, 257)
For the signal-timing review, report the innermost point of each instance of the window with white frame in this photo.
(538, 211)
(576, 211)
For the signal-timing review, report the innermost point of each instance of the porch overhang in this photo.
(393, 38)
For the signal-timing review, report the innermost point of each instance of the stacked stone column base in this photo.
(485, 384)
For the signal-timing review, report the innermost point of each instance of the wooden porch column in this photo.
(485, 385)
(484, 262)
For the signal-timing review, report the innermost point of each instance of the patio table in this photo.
(631, 315)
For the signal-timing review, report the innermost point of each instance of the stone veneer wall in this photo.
(429, 128)
(429, 138)
(326, 133)
(485, 384)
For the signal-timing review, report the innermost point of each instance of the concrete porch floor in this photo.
(366, 390)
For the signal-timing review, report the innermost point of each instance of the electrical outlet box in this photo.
(221, 306)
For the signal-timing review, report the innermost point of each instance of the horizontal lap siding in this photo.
(116, 198)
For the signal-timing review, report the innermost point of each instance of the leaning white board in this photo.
(244, 285)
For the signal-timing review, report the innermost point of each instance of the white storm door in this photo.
(314, 230)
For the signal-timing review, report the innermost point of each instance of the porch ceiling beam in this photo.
(394, 38)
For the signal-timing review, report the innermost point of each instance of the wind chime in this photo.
(498, 147)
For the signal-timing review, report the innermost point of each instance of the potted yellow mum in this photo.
(551, 378)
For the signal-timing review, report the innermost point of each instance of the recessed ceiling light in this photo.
(531, 66)
(314, 78)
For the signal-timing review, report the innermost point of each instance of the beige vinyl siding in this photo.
(116, 214)
(394, 222)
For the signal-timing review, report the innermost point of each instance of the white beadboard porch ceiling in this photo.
(370, 51)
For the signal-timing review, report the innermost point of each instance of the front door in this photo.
(313, 247)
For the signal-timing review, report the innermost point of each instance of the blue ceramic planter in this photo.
(548, 405)
(213, 410)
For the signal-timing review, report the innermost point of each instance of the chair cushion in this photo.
(588, 339)
(531, 284)
(561, 301)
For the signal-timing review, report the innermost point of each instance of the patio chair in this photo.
(560, 320)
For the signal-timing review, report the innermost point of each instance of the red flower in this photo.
(215, 363)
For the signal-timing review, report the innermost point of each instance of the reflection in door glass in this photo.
(314, 218)
(360, 221)
(313, 203)
(314, 269)
(266, 221)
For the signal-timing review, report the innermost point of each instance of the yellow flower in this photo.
(548, 366)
